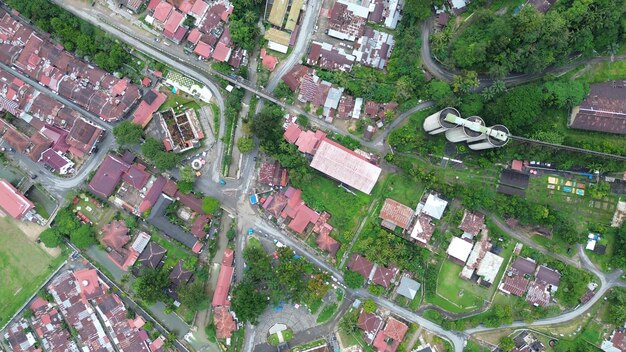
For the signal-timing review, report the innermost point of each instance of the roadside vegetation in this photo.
(75, 34)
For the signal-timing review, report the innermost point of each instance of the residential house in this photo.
(395, 214)
(359, 264)
(152, 256)
(347, 20)
(603, 110)
(370, 323)
(15, 203)
(459, 250)
(389, 338)
(408, 287)
(220, 296)
(149, 104)
(616, 342)
(544, 286)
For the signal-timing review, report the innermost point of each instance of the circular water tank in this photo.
(435, 123)
(498, 142)
(471, 133)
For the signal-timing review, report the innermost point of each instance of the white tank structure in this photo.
(468, 131)
(497, 136)
(436, 123)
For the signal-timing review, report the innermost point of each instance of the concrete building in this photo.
(436, 123)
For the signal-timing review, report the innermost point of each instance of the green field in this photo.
(604, 72)
(403, 189)
(174, 251)
(450, 285)
(23, 268)
(581, 207)
(346, 210)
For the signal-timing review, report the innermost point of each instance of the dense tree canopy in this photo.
(150, 285)
(51, 238)
(127, 132)
(268, 127)
(83, 237)
(530, 41)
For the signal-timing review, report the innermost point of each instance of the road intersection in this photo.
(234, 195)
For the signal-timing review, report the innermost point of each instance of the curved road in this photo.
(607, 281)
(445, 74)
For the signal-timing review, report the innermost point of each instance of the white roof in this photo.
(358, 103)
(459, 249)
(434, 206)
(277, 47)
(591, 244)
(332, 100)
(459, 4)
(345, 166)
(141, 242)
(489, 267)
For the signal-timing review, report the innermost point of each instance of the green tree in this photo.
(210, 205)
(349, 322)
(65, 222)
(83, 237)
(193, 296)
(506, 343)
(353, 280)
(151, 148)
(51, 238)
(166, 161)
(150, 285)
(127, 133)
(369, 306)
(187, 177)
(267, 126)
(441, 93)
(247, 302)
(466, 82)
(245, 144)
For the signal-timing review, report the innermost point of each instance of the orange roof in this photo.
(194, 35)
(88, 281)
(292, 133)
(224, 323)
(396, 213)
(268, 61)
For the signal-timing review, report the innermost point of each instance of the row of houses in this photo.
(83, 315)
(97, 91)
(331, 99)
(284, 30)
(54, 135)
(519, 281)
(135, 189)
(223, 319)
(201, 26)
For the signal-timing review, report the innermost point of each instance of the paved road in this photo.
(607, 281)
(445, 74)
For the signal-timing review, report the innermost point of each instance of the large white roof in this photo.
(489, 267)
(459, 249)
(434, 206)
(345, 166)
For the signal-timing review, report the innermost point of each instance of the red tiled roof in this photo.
(136, 176)
(327, 243)
(391, 336)
(293, 78)
(292, 133)
(153, 4)
(517, 165)
(515, 285)
(203, 50)
(146, 82)
(115, 234)
(224, 322)
(268, 61)
(170, 188)
(153, 194)
(13, 202)
(52, 159)
(88, 281)
(162, 11)
(199, 8)
(173, 22)
(370, 324)
(229, 257)
(143, 114)
(220, 296)
(222, 52)
(197, 229)
(304, 216)
(194, 35)
(538, 295)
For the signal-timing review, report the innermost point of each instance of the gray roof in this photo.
(408, 287)
(159, 220)
(434, 206)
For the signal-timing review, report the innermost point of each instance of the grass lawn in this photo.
(44, 203)
(174, 251)
(315, 306)
(99, 216)
(403, 189)
(23, 267)
(179, 100)
(605, 71)
(581, 208)
(450, 286)
(353, 339)
(346, 209)
(326, 313)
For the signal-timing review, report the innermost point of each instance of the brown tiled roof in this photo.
(604, 109)
(224, 322)
(515, 285)
(361, 265)
(472, 222)
(396, 213)
(180, 275)
(383, 276)
(370, 324)
(151, 256)
(549, 276)
(328, 244)
(523, 266)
